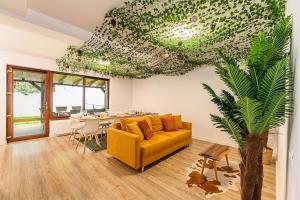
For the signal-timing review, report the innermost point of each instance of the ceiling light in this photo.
(183, 32)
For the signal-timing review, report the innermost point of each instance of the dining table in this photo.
(105, 121)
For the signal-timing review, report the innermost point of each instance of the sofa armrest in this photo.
(124, 146)
(187, 125)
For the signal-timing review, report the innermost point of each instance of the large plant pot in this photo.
(267, 156)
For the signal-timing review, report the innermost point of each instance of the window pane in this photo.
(66, 79)
(67, 94)
(95, 95)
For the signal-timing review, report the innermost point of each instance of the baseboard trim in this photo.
(215, 141)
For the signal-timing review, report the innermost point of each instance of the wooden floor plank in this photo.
(50, 168)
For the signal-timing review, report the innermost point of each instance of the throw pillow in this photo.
(169, 124)
(156, 122)
(135, 129)
(125, 121)
(178, 121)
(144, 126)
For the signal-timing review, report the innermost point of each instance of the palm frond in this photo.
(219, 122)
(254, 78)
(273, 83)
(251, 111)
(290, 90)
(239, 81)
(233, 111)
(232, 128)
(226, 102)
(215, 98)
(266, 51)
(236, 133)
(234, 77)
(223, 73)
(260, 52)
(228, 99)
(281, 35)
(275, 114)
(227, 60)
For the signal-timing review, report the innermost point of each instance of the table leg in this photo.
(227, 161)
(203, 165)
(216, 170)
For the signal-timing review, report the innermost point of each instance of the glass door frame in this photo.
(9, 105)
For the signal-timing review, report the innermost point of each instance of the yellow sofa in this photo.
(128, 148)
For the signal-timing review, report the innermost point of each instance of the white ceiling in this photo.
(15, 6)
(23, 41)
(47, 27)
(86, 14)
(24, 37)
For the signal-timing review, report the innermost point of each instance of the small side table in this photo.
(215, 153)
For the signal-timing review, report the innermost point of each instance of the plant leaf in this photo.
(251, 111)
(232, 128)
(275, 114)
(273, 83)
(239, 81)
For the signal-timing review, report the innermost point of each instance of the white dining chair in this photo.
(88, 131)
(75, 125)
(102, 132)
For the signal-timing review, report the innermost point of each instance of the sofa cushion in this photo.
(177, 136)
(155, 144)
(169, 123)
(178, 121)
(156, 122)
(145, 128)
(125, 121)
(135, 129)
(117, 125)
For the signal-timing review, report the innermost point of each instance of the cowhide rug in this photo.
(229, 177)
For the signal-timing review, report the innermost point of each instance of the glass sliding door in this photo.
(28, 115)
(36, 96)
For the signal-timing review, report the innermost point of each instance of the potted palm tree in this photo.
(260, 99)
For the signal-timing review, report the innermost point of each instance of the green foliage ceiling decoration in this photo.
(172, 37)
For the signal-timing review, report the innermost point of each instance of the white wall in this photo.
(120, 89)
(183, 95)
(293, 180)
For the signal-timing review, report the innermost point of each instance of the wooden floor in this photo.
(50, 168)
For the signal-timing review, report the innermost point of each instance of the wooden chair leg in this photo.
(78, 141)
(71, 135)
(85, 138)
(227, 161)
(203, 165)
(97, 139)
(74, 137)
(216, 170)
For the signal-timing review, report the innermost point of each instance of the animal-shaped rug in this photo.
(229, 177)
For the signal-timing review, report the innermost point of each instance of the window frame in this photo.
(84, 77)
(107, 93)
